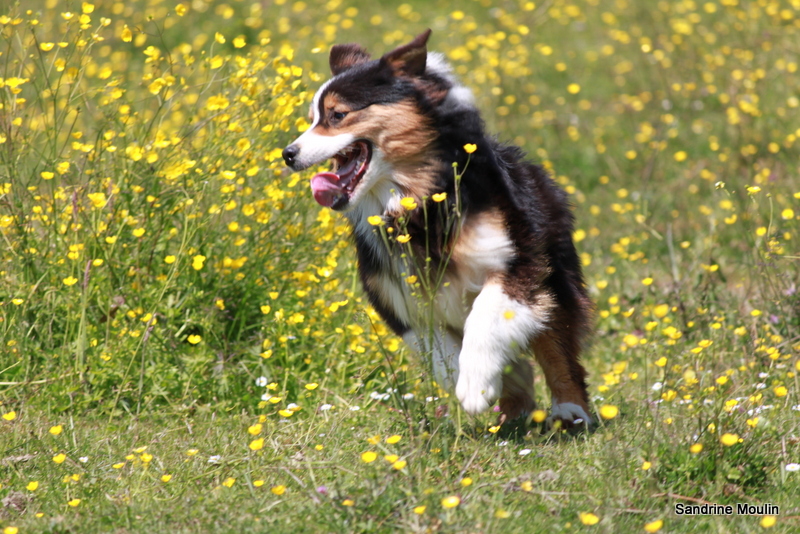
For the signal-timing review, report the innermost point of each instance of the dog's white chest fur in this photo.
(483, 248)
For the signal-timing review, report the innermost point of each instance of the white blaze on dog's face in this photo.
(367, 121)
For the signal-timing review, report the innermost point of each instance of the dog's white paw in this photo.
(568, 413)
(476, 391)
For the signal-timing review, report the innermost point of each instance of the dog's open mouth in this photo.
(333, 189)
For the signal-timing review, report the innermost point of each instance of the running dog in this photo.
(395, 130)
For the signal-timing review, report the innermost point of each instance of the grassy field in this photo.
(184, 345)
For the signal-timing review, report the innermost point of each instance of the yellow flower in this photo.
(169, 260)
(588, 518)
(781, 391)
(646, 465)
(198, 261)
(311, 386)
(126, 35)
(10, 530)
(405, 238)
(74, 502)
(408, 203)
(393, 439)
(70, 281)
(451, 501)
(258, 483)
(654, 526)
(278, 490)
(285, 413)
(466, 481)
(10, 416)
(180, 10)
(647, 281)
(399, 464)
(56, 430)
(469, 148)
(608, 411)
(729, 439)
(257, 444)
(239, 42)
(368, 457)
(538, 416)
(494, 429)
(348, 502)
(166, 478)
(139, 232)
(419, 510)
(573, 88)
(768, 521)
(375, 220)
(438, 197)
(32, 486)
(194, 339)
(696, 448)
(229, 482)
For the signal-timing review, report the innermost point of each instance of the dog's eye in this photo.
(337, 116)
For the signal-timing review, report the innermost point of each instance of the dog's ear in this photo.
(409, 59)
(347, 56)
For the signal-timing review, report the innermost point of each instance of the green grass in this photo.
(158, 260)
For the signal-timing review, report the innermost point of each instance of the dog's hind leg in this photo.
(557, 351)
(516, 399)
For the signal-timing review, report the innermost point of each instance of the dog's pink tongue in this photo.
(326, 189)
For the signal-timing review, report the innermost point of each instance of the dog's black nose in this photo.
(289, 153)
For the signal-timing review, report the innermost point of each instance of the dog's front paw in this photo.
(477, 391)
(570, 415)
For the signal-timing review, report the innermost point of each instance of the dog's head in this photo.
(370, 119)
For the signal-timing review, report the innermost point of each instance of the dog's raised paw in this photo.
(475, 393)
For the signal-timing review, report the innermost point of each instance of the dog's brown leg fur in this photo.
(557, 351)
(516, 399)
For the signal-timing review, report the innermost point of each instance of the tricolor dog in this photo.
(509, 280)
